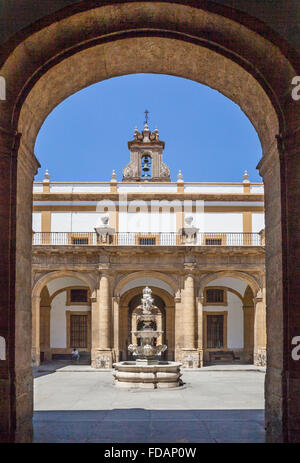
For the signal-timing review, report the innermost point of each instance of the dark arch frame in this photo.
(272, 64)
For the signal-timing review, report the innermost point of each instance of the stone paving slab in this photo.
(214, 407)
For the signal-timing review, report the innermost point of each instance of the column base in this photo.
(35, 358)
(260, 357)
(102, 358)
(190, 358)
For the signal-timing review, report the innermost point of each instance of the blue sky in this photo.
(207, 136)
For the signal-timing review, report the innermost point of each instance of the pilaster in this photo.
(35, 352)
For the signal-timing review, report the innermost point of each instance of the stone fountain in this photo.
(147, 371)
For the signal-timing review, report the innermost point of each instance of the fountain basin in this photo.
(159, 375)
(147, 334)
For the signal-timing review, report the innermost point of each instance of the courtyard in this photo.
(75, 403)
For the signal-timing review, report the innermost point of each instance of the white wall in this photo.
(226, 222)
(147, 188)
(76, 221)
(58, 321)
(257, 189)
(147, 222)
(79, 188)
(207, 188)
(235, 320)
(37, 222)
(258, 221)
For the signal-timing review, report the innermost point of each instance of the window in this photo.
(213, 242)
(147, 241)
(80, 241)
(215, 296)
(214, 239)
(78, 295)
(215, 331)
(79, 331)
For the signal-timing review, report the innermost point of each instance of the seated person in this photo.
(75, 354)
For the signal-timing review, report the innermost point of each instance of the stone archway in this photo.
(41, 305)
(168, 317)
(253, 309)
(174, 38)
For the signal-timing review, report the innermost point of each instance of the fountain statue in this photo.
(147, 350)
(147, 371)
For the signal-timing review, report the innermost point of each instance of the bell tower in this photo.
(146, 153)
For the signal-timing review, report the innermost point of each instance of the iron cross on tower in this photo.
(146, 116)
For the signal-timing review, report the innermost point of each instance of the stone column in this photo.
(199, 303)
(248, 313)
(102, 325)
(35, 350)
(260, 329)
(190, 356)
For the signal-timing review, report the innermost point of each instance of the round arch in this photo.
(252, 282)
(41, 282)
(131, 293)
(145, 274)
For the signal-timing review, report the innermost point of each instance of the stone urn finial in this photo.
(113, 176)
(46, 176)
(246, 177)
(179, 177)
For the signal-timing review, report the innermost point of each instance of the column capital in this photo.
(105, 271)
(189, 269)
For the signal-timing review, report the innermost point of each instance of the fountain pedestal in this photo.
(160, 375)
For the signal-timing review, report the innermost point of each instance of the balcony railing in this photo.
(147, 239)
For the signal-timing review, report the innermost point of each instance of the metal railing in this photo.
(146, 239)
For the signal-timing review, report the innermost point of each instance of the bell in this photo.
(145, 167)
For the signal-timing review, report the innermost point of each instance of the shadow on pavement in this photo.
(138, 425)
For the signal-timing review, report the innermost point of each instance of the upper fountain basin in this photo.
(147, 334)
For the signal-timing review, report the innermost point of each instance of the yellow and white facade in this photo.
(199, 246)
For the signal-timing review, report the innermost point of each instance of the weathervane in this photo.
(146, 116)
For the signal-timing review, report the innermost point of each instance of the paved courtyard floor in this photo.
(216, 404)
